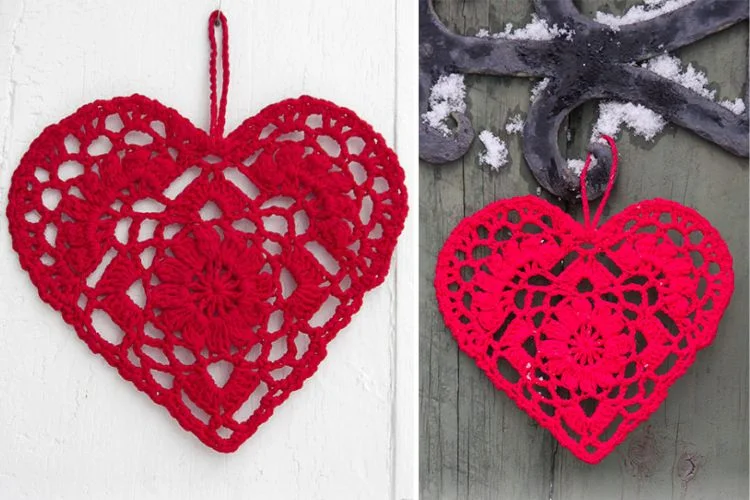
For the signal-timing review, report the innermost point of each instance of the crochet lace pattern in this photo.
(210, 270)
(584, 327)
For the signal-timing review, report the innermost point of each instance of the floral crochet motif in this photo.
(586, 349)
(212, 290)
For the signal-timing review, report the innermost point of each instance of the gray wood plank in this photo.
(474, 442)
(696, 444)
(440, 209)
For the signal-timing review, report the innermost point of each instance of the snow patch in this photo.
(537, 89)
(737, 106)
(670, 67)
(496, 152)
(514, 125)
(639, 119)
(576, 166)
(447, 96)
(645, 122)
(537, 29)
(638, 13)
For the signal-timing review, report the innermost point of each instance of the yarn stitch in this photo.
(210, 271)
(585, 328)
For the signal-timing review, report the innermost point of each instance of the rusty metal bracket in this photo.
(595, 63)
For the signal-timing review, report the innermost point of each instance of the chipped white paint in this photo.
(70, 428)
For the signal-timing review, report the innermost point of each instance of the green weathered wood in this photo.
(475, 443)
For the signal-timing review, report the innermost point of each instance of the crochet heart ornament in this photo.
(211, 271)
(585, 328)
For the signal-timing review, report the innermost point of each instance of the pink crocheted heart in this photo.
(585, 329)
(210, 271)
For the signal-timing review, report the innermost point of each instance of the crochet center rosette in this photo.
(211, 271)
(584, 328)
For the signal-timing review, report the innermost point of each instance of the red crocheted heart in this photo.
(585, 329)
(211, 272)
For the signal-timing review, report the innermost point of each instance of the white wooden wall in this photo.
(70, 427)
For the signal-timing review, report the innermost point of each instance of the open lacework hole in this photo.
(508, 372)
(220, 371)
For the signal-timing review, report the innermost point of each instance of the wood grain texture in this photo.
(475, 443)
(70, 427)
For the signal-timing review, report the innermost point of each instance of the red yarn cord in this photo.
(218, 112)
(607, 192)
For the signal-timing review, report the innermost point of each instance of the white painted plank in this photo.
(407, 311)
